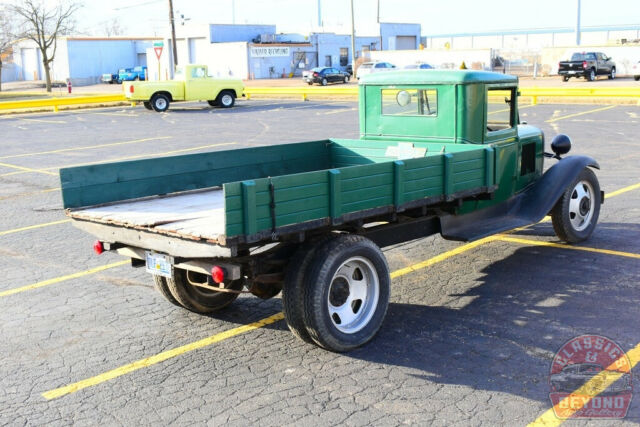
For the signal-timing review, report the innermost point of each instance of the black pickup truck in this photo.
(588, 65)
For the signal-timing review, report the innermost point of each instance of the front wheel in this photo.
(346, 79)
(160, 102)
(612, 75)
(184, 288)
(636, 78)
(565, 78)
(226, 99)
(575, 215)
(347, 293)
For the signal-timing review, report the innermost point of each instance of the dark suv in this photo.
(324, 75)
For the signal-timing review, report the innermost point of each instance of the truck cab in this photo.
(455, 107)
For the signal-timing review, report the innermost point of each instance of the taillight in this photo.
(98, 247)
(584, 64)
(217, 273)
(131, 89)
(315, 74)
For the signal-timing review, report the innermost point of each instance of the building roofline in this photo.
(634, 27)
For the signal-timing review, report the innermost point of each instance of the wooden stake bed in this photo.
(194, 215)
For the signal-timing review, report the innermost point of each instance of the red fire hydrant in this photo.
(69, 85)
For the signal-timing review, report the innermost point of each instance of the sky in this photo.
(150, 17)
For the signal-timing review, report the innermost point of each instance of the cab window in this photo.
(197, 73)
(410, 102)
(500, 109)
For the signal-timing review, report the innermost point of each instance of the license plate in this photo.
(158, 264)
(572, 72)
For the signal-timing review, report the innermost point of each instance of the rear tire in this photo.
(347, 301)
(160, 283)
(197, 299)
(160, 102)
(592, 75)
(636, 78)
(323, 82)
(226, 99)
(147, 105)
(346, 79)
(576, 213)
(565, 78)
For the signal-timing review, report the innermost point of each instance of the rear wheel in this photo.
(636, 78)
(347, 295)
(226, 99)
(575, 215)
(592, 75)
(147, 105)
(184, 287)
(565, 78)
(323, 82)
(160, 102)
(160, 283)
(346, 79)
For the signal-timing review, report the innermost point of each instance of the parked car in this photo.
(110, 78)
(576, 375)
(419, 66)
(129, 74)
(635, 70)
(324, 75)
(588, 65)
(373, 67)
(191, 83)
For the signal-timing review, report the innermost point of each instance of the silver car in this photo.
(373, 67)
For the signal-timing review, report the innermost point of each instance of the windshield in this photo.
(583, 57)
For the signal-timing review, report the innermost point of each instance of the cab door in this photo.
(197, 86)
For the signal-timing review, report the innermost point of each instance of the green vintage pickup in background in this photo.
(439, 152)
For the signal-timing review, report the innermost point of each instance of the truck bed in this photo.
(192, 215)
(254, 195)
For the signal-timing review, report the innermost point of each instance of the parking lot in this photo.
(468, 339)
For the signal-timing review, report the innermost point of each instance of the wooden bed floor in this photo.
(193, 215)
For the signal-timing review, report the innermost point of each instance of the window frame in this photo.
(425, 89)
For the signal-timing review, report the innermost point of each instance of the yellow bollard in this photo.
(133, 103)
(304, 96)
(55, 108)
(534, 100)
(248, 96)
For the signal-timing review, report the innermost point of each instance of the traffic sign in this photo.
(158, 50)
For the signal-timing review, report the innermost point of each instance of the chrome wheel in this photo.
(581, 205)
(161, 104)
(353, 295)
(226, 100)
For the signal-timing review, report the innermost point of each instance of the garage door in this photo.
(30, 64)
(405, 42)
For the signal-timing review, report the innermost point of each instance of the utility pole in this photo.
(353, 41)
(578, 26)
(320, 14)
(173, 35)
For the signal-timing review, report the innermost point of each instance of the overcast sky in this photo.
(150, 17)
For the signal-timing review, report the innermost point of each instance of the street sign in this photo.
(158, 50)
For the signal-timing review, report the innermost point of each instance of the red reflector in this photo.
(131, 88)
(97, 247)
(217, 273)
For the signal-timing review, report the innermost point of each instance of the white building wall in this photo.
(448, 59)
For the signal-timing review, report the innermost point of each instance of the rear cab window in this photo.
(409, 102)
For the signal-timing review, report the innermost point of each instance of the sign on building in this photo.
(262, 52)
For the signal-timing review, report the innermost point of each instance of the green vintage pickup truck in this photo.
(439, 152)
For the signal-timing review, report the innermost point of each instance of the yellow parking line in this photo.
(555, 119)
(86, 147)
(32, 227)
(161, 357)
(505, 238)
(23, 169)
(622, 190)
(61, 279)
(599, 382)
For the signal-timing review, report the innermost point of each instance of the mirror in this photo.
(403, 98)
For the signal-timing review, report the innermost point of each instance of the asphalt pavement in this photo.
(469, 337)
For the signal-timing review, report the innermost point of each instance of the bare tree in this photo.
(5, 37)
(113, 27)
(44, 25)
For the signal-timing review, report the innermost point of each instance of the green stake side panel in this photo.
(110, 182)
(363, 177)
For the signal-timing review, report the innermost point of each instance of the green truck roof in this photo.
(420, 77)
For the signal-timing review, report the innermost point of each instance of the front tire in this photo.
(226, 99)
(612, 75)
(576, 213)
(197, 299)
(565, 78)
(345, 305)
(160, 102)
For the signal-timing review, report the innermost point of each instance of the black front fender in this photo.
(542, 196)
